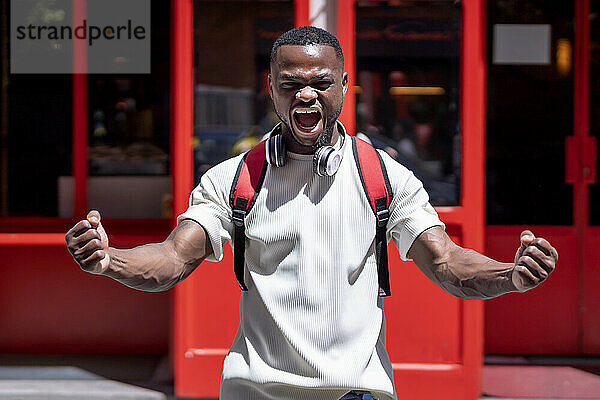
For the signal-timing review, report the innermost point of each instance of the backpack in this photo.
(248, 181)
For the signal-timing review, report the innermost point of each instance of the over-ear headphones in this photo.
(275, 149)
(326, 160)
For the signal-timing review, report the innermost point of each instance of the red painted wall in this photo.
(49, 305)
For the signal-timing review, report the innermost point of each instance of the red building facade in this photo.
(432, 83)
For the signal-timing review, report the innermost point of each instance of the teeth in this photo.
(306, 111)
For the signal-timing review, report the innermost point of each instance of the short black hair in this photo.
(305, 35)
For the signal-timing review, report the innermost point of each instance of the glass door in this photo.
(530, 121)
(591, 231)
(543, 122)
(407, 91)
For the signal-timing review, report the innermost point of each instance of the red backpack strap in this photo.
(376, 184)
(246, 184)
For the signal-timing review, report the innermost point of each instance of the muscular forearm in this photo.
(470, 275)
(159, 266)
(461, 272)
(151, 267)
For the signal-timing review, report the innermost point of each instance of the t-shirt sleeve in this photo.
(410, 211)
(209, 206)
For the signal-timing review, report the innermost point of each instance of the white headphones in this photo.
(326, 160)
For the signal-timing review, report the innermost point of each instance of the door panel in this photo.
(532, 174)
(591, 239)
(543, 320)
(421, 313)
(591, 283)
(572, 324)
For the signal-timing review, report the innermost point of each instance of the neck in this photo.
(294, 146)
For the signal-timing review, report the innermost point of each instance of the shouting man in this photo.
(312, 323)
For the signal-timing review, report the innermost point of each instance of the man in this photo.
(312, 324)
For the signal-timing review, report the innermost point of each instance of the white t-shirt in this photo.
(312, 323)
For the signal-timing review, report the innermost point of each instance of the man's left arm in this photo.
(469, 275)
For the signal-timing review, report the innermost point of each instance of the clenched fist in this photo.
(88, 244)
(534, 261)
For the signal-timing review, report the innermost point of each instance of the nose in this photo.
(306, 94)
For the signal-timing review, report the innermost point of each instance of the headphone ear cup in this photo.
(276, 153)
(268, 150)
(326, 161)
(320, 160)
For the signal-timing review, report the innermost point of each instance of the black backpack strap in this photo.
(378, 190)
(246, 184)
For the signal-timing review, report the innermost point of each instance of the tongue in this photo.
(307, 120)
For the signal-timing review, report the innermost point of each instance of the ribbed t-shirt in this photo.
(311, 323)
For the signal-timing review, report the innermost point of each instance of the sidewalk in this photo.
(35, 377)
(50, 383)
(54, 377)
(542, 377)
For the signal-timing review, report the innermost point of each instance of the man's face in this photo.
(307, 85)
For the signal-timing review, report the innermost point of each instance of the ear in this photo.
(271, 86)
(345, 83)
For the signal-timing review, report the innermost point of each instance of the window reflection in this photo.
(529, 108)
(128, 133)
(232, 106)
(128, 126)
(35, 124)
(407, 88)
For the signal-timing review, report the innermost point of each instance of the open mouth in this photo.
(307, 119)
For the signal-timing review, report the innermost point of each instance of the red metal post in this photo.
(345, 33)
(80, 115)
(182, 100)
(346, 21)
(301, 13)
(472, 117)
(182, 103)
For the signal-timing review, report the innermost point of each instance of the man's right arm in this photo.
(150, 267)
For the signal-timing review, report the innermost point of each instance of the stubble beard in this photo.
(326, 136)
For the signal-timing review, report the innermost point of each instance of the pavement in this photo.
(58, 383)
(65, 377)
(541, 377)
(54, 377)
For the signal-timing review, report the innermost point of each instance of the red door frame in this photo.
(182, 84)
(197, 369)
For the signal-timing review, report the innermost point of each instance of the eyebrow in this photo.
(322, 75)
(290, 76)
